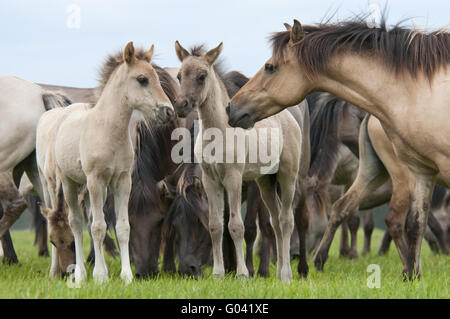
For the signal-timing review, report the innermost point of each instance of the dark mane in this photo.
(400, 48)
(232, 80)
(188, 200)
(325, 110)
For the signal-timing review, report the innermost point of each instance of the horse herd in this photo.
(105, 155)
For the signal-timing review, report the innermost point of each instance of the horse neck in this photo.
(212, 111)
(112, 108)
(367, 83)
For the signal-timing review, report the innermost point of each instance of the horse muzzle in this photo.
(239, 117)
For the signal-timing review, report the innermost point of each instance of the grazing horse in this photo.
(202, 88)
(398, 75)
(85, 150)
(186, 224)
(21, 105)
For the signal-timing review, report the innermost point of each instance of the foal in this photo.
(202, 88)
(93, 147)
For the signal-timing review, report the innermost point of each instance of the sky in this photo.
(64, 42)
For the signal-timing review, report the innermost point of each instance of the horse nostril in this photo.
(169, 112)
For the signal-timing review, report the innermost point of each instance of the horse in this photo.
(21, 105)
(375, 69)
(152, 146)
(186, 224)
(187, 216)
(202, 88)
(89, 156)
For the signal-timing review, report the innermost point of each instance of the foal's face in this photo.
(143, 90)
(196, 77)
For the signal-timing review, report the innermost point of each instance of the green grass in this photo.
(342, 278)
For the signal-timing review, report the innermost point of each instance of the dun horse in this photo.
(202, 88)
(86, 145)
(375, 69)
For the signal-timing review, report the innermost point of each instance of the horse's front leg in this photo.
(97, 197)
(215, 193)
(233, 185)
(121, 191)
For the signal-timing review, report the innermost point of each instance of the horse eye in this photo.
(142, 80)
(201, 78)
(179, 77)
(269, 67)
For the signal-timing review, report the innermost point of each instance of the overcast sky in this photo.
(44, 41)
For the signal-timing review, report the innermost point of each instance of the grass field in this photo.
(342, 279)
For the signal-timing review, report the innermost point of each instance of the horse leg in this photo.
(268, 190)
(302, 216)
(395, 216)
(12, 201)
(267, 236)
(121, 191)
(368, 225)
(385, 243)
(215, 193)
(371, 175)
(343, 247)
(353, 225)
(365, 184)
(76, 225)
(233, 185)
(253, 200)
(416, 220)
(439, 233)
(9, 254)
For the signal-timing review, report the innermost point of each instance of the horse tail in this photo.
(54, 99)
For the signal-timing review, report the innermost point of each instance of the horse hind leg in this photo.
(267, 237)
(12, 201)
(233, 185)
(121, 192)
(368, 226)
(70, 190)
(416, 221)
(353, 225)
(253, 199)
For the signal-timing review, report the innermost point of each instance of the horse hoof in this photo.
(319, 260)
(303, 270)
(127, 277)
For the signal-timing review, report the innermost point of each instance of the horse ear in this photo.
(297, 33)
(213, 54)
(287, 26)
(182, 53)
(128, 53)
(149, 54)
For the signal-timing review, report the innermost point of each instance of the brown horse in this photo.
(375, 69)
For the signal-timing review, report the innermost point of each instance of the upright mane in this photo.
(112, 62)
(232, 80)
(401, 49)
